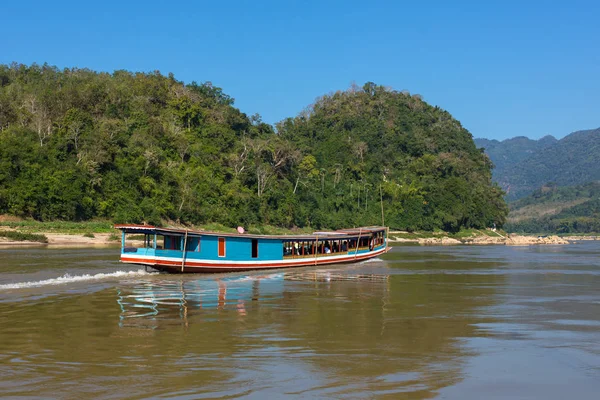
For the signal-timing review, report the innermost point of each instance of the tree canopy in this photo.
(143, 147)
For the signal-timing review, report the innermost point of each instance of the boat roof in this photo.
(338, 234)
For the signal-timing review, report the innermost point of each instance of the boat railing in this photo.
(138, 250)
(319, 255)
(294, 256)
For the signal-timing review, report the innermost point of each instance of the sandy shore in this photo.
(63, 239)
(580, 238)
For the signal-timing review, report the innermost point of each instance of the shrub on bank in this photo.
(22, 236)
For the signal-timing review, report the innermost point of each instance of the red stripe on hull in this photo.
(195, 266)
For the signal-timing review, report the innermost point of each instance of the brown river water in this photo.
(462, 322)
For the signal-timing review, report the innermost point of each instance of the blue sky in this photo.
(503, 68)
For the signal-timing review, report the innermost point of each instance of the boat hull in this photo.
(175, 265)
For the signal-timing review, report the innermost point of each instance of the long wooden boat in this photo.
(180, 250)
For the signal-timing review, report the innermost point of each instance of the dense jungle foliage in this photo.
(554, 209)
(142, 147)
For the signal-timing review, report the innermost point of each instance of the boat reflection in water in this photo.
(146, 303)
(366, 330)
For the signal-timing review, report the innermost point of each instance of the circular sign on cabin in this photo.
(240, 229)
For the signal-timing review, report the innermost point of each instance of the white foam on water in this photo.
(370, 260)
(67, 278)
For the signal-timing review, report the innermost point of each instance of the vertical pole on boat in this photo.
(316, 248)
(184, 250)
(357, 243)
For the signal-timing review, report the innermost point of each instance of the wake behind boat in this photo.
(163, 249)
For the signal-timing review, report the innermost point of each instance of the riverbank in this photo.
(15, 231)
(106, 239)
(102, 233)
(18, 232)
(477, 237)
(62, 239)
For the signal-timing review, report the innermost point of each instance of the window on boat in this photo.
(332, 246)
(298, 248)
(160, 242)
(193, 244)
(335, 246)
(221, 247)
(324, 247)
(138, 240)
(289, 248)
(172, 242)
(254, 248)
(379, 238)
(364, 242)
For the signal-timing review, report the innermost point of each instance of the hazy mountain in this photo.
(511, 151)
(524, 165)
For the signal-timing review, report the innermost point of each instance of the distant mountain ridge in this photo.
(510, 151)
(523, 165)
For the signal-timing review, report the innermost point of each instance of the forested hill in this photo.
(142, 147)
(553, 209)
(524, 165)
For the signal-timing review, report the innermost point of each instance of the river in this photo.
(459, 322)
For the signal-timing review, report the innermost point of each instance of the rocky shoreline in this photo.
(509, 240)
